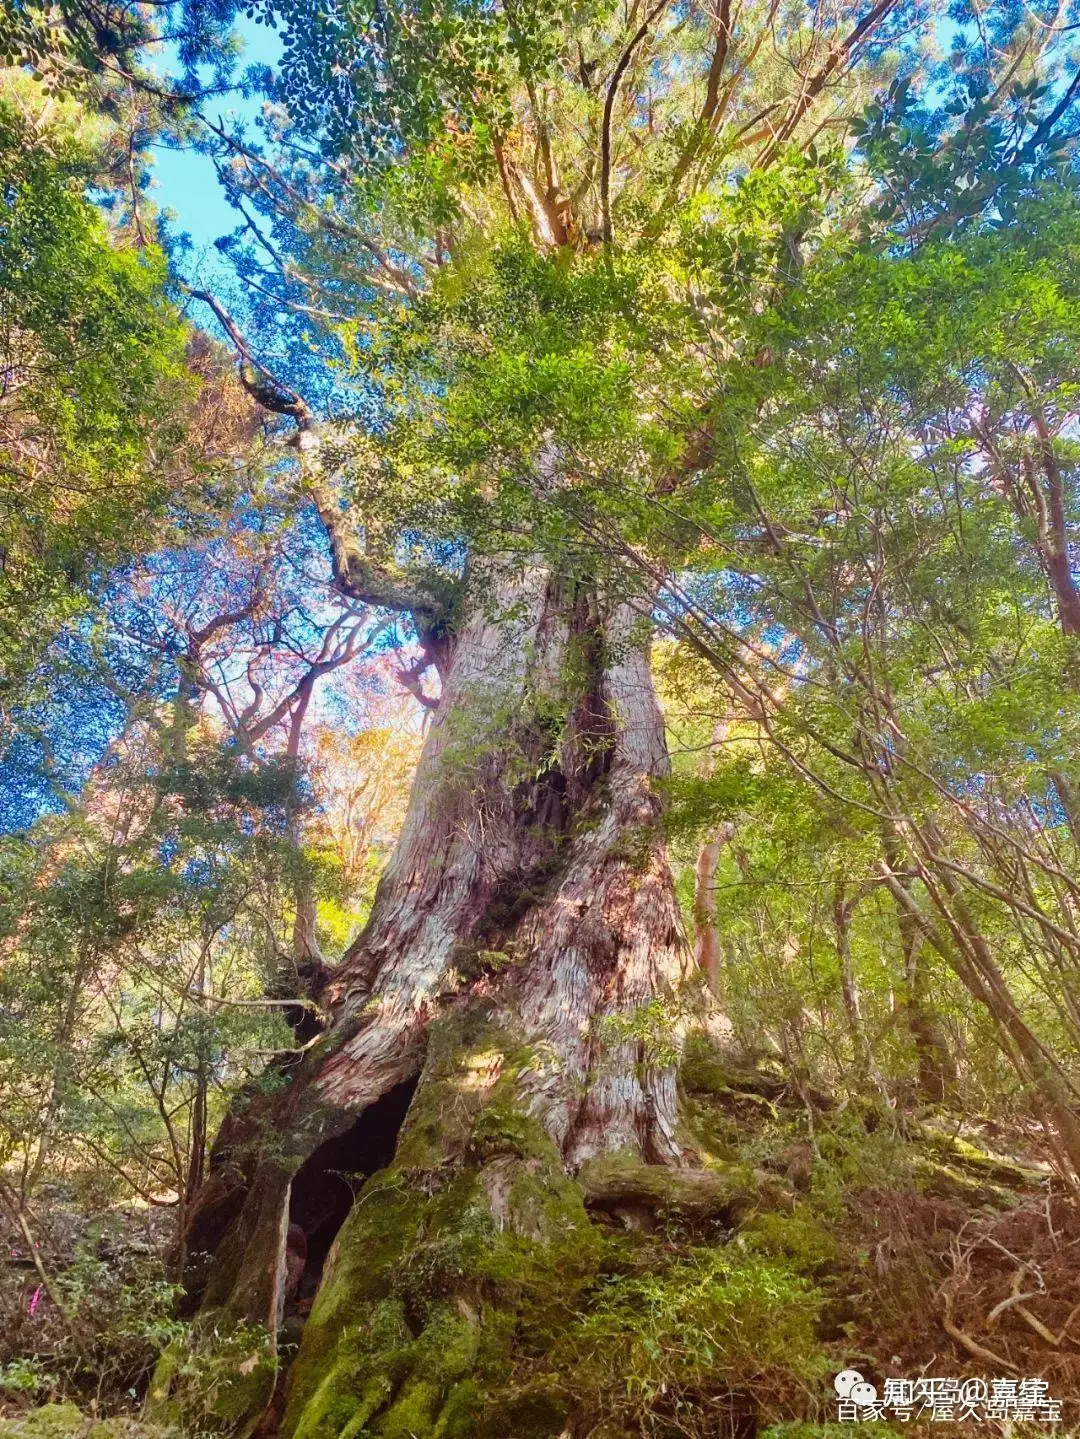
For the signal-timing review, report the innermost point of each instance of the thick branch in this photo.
(712, 94)
(261, 384)
(355, 574)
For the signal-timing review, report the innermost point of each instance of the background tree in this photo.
(95, 388)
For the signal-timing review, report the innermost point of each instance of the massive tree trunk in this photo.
(503, 1021)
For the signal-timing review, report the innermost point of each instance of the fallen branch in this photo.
(975, 1349)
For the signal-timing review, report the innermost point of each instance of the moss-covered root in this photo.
(639, 1194)
(474, 1251)
(424, 1292)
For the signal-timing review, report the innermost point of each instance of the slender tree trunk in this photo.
(707, 951)
(865, 1064)
(190, 1184)
(305, 942)
(521, 946)
(61, 1083)
(972, 960)
(936, 1074)
(706, 930)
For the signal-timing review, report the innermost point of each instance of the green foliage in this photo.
(903, 442)
(809, 409)
(98, 386)
(137, 959)
(716, 1321)
(26, 1375)
(118, 1305)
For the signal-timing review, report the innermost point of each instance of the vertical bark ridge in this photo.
(458, 843)
(608, 942)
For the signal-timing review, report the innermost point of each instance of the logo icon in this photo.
(852, 1387)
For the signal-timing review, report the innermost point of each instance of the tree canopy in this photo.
(94, 380)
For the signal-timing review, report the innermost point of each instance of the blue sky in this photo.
(184, 180)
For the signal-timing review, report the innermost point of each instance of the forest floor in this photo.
(924, 1247)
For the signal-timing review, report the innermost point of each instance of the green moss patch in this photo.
(66, 1421)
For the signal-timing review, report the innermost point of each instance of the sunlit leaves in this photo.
(94, 381)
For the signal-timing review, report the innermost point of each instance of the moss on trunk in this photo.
(476, 1289)
(473, 1231)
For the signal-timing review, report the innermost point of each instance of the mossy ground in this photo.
(477, 1292)
(66, 1421)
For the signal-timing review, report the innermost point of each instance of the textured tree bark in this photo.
(706, 931)
(530, 891)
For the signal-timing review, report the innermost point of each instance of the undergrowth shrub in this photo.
(118, 1317)
(682, 1343)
